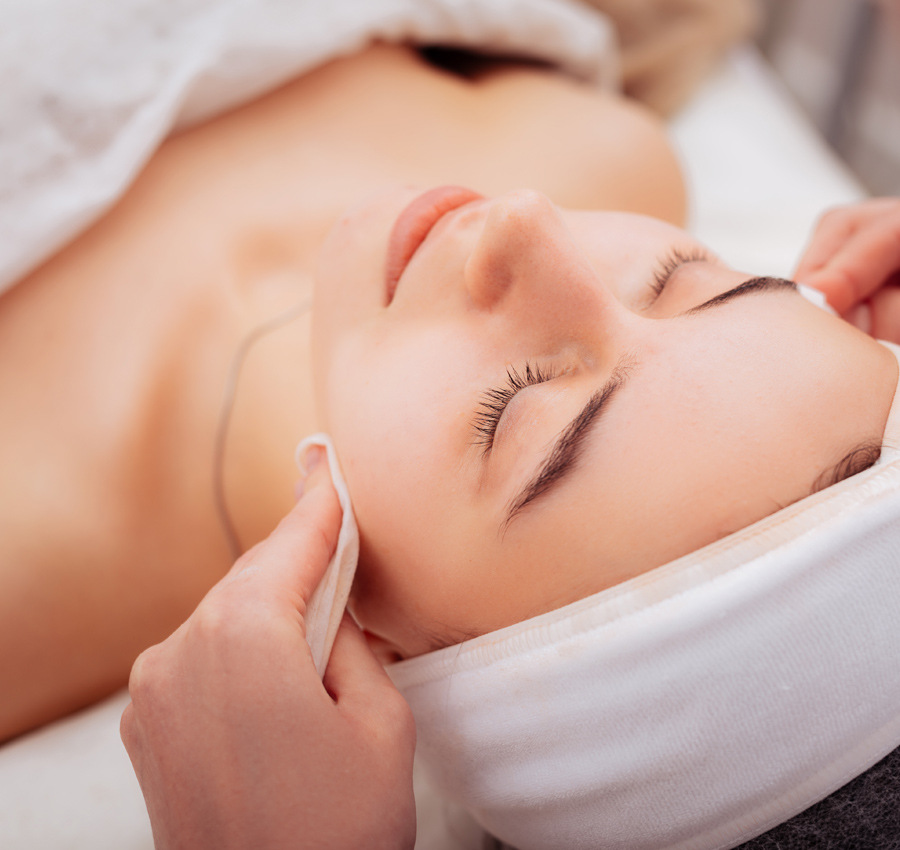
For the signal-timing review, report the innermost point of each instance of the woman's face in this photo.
(526, 419)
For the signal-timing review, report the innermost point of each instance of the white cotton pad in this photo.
(326, 608)
(815, 297)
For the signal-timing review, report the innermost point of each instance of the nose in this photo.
(526, 259)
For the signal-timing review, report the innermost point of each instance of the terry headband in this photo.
(693, 707)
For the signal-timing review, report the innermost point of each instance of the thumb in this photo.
(296, 554)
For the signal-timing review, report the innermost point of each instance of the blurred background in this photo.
(840, 59)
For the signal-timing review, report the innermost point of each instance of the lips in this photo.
(415, 223)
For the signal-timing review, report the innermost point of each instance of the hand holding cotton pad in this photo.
(326, 607)
(816, 297)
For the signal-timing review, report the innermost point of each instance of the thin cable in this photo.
(228, 398)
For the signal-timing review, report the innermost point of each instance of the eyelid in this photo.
(671, 262)
(495, 400)
(565, 452)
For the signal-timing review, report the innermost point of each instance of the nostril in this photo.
(515, 243)
(488, 278)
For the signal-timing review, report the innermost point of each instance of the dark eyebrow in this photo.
(567, 448)
(748, 287)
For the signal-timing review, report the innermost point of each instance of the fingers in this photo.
(836, 226)
(352, 666)
(260, 603)
(884, 312)
(861, 266)
(853, 253)
(294, 556)
(357, 681)
(128, 733)
(831, 231)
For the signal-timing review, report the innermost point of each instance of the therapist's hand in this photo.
(854, 258)
(235, 741)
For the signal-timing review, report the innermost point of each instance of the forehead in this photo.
(719, 424)
(627, 236)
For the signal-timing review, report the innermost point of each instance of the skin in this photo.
(273, 757)
(853, 258)
(727, 413)
(224, 693)
(115, 354)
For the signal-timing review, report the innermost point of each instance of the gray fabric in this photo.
(863, 815)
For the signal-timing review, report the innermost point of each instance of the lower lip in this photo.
(415, 223)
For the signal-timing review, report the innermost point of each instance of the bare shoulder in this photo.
(101, 553)
(610, 152)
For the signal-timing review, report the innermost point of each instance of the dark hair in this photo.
(863, 457)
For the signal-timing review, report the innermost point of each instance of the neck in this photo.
(267, 401)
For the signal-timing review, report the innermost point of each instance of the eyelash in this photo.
(674, 260)
(495, 401)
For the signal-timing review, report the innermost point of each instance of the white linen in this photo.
(693, 707)
(91, 87)
(70, 786)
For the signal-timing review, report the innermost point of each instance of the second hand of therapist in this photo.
(235, 740)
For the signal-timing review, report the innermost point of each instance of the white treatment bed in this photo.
(758, 177)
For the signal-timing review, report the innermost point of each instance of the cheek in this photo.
(394, 410)
(399, 403)
(638, 243)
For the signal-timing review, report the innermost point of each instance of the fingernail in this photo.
(861, 316)
(309, 463)
(313, 458)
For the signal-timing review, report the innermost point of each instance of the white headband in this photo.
(693, 707)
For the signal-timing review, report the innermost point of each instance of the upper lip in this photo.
(415, 223)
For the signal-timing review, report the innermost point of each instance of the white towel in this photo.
(91, 87)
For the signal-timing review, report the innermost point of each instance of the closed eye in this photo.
(671, 262)
(495, 401)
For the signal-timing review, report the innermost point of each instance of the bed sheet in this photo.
(758, 176)
(758, 173)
